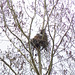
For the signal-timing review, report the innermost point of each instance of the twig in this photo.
(8, 66)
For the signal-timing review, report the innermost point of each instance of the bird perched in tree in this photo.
(36, 41)
(44, 43)
(44, 35)
(40, 40)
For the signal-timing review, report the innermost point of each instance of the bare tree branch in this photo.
(63, 36)
(16, 37)
(39, 59)
(8, 66)
(15, 18)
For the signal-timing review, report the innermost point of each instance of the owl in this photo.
(40, 40)
(36, 41)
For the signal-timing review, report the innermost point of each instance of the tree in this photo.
(20, 21)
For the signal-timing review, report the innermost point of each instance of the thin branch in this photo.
(15, 18)
(48, 16)
(63, 36)
(25, 8)
(51, 62)
(18, 50)
(16, 37)
(8, 66)
(51, 13)
(17, 22)
(39, 59)
(33, 62)
(12, 32)
(44, 13)
(63, 60)
(32, 19)
(53, 8)
(52, 55)
(49, 32)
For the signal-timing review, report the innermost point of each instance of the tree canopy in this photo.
(21, 20)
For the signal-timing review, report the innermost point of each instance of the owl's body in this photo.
(44, 43)
(40, 40)
(36, 41)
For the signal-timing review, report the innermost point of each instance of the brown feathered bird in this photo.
(44, 42)
(40, 40)
(36, 41)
